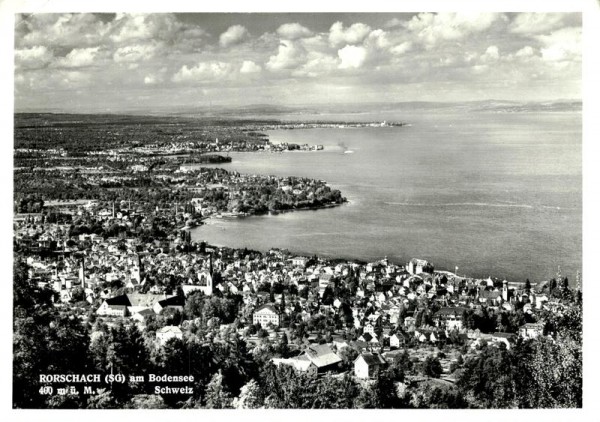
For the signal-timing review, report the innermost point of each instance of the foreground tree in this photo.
(555, 374)
(147, 401)
(216, 396)
(431, 367)
(249, 397)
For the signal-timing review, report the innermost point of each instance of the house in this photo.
(140, 301)
(114, 306)
(65, 296)
(422, 335)
(539, 300)
(132, 303)
(450, 318)
(173, 302)
(322, 357)
(266, 314)
(339, 345)
(142, 315)
(394, 314)
(396, 340)
(531, 330)
(167, 333)
(508, 339)
(299, 261)
(190, 288)
(367, 364)
(490, 297)
(325, 280)
(366, 337)
(437, 336)
(418, 266)
(300, 363)
(369, 328)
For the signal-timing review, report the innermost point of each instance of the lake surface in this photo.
(493, 193)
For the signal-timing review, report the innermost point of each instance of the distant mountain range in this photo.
(498, 106)
(261, 110)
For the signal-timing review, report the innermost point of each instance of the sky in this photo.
(119, 62)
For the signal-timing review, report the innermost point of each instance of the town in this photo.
(108, 277)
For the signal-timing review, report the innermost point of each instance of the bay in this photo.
(493, 193)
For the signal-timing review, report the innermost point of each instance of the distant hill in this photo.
(258, 111)
(497, 106)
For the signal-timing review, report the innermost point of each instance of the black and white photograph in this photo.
(297, 210)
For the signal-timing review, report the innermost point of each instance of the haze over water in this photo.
(493, 193)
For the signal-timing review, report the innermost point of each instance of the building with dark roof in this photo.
(367, 364)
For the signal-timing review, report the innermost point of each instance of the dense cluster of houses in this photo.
(379, 301)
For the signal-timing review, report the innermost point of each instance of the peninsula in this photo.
(109, 281)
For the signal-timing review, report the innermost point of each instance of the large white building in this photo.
(266, 314)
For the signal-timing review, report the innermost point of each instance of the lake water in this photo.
(493, 193)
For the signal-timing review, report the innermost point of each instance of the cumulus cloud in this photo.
(316, 43)
(377, 39)
(250, 67)
(152, 79)
(560, 45)
(202, 72)
(234, 35)
(432, 28)
(354, 34)
(317, 64)
(480, 68)
(63, 32)
(491, 54)
(66, 30)
(526, 51)
(138, 27)
(536, 23)
(289, 55)
(352, 57)
(393, 23)
(293, 31)
(78, 57)
(134, 53)
(466, 50)
(401, 48)
(33, 58)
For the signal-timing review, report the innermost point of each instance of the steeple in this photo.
(82, 273)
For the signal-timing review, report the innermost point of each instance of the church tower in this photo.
(505, 291)
(82, 273)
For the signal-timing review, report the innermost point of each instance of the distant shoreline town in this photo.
(106, 275)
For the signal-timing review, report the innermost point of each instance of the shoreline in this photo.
(220, 216)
